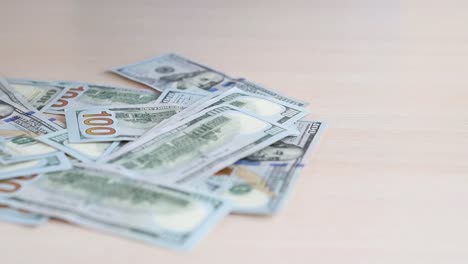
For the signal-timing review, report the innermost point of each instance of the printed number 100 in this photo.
(99, 124)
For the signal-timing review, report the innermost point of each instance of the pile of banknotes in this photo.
(161, 165)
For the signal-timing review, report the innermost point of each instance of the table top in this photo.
(388, 181)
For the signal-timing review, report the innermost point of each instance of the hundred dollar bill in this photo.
(7, 94)
(154, 213)
(72, 91)
(14, 118)
(85, 152)
(58, 123)
(116, 146)
(55, 161)
(11, 215)
(14, 215)
(254, 88)
(22, 148)
(261, 182)
(82, 95)
(115, 123)
(197, 146)
(268, 108)
(183, 98)
(173, 71)
(40, 94)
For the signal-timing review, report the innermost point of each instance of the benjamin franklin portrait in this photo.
(278, 151)
(201, 79)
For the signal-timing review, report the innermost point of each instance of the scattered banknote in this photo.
(254, 88)
(182, 98)
(160, 165)
(260, 183)
(55, 161)
(85, 152)
(8, 95)
(116, 146)
(81, 95)
(173, 71)
(13, 118)
(18, 216)
(40, 94)
(21, 148)
(153, 213)
(9, 186)
(268, 108)
(15, 216)
(58, 122)
(198, 146)
(122, 123)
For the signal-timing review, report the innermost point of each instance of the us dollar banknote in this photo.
(85, 152)
(54, 161)
(81, 95)
(22, 148)
(21, 217)
(121, 123)
(22, 155)
(18, 216)
(182, 98)
(117, 146)
(197, 146)
(173, 71)
(40, 94)
(266, 107)
(261, 182)
(14, 118)
(91, 197)
(8, 95)
(254, 88)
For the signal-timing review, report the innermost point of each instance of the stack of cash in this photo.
(160, 165)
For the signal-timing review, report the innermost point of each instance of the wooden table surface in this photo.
(389, 180)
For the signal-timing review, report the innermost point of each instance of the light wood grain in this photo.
(389, 181)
